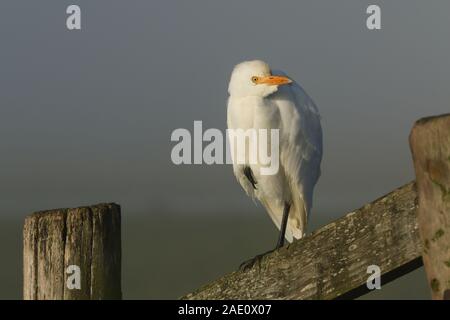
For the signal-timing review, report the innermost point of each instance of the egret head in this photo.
(254, 78)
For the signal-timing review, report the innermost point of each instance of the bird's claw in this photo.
(247, 265)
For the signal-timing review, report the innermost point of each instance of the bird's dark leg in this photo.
(249, 263)
(249, 174)
(283, 225)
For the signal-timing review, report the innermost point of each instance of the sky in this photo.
(86, 115)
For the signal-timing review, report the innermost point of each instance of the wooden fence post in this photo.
(73, 254)
(430, 146)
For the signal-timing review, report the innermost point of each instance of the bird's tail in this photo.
(296, 225)
(298, 216)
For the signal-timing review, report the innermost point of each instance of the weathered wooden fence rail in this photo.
(332, 262)
(86, 238)
(394, 233)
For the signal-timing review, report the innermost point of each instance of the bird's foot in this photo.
(247, 265)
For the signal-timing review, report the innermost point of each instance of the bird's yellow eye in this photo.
(255, 79)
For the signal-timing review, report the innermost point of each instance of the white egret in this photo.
(260, 99)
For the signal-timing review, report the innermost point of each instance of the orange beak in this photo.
(273, 80)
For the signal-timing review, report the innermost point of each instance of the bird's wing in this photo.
(243, 173)
(300, 147)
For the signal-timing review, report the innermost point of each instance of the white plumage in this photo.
(260, 99)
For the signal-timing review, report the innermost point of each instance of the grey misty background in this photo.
(86, 117)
